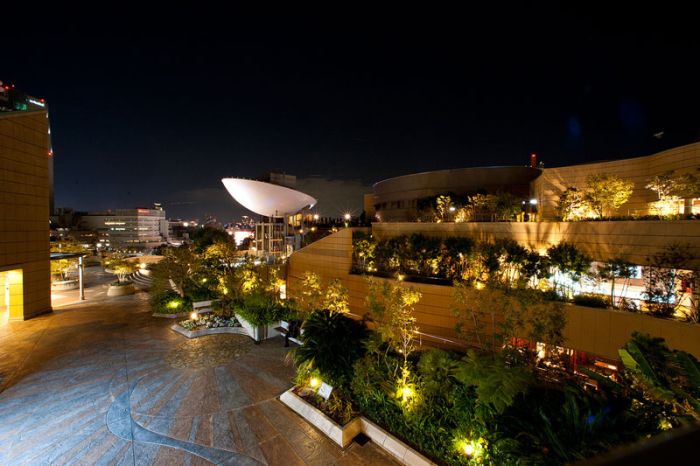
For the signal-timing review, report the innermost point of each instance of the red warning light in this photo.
(533, 160)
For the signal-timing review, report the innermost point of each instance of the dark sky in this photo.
(157, 107)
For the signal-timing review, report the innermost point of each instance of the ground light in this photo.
(473, 449)
(314, 382)
(174, 304)
(193, 316)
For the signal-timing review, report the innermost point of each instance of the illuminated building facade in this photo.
(128, 229)
(25, 196)
(398, 199)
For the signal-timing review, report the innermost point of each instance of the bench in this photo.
(202, 307)
(284, 330)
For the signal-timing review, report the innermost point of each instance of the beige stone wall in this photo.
(598, 331)
(24, 207)
(633, 241)
(553, 181)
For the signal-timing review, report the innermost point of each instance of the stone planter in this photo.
(185, 314)
(207, 331)
(395, 447)
(121, 290)
(65, 285)
(341, 435)
(259, 333)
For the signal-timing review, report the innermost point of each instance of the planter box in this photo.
(207, 331)
(185, 314)
(121, 290)
(65, 285)
(259, 333)
(342, 435)
(395, 447)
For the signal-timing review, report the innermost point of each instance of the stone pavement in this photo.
(103, 382)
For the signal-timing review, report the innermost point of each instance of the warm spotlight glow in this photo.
(347, 216)
(314, 382)
(400, 277)
(473, 449)
(316, 217)
(193, 316)
(174, 304)
(468, 449)
(406, 393)
(479, 285)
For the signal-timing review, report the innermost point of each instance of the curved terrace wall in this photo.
(397, 197)
(598, 331)
(632, 240)
(553, 181)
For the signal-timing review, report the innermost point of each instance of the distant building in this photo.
(128, 229)
(280, 228)
(179, 230)
(399, 199)
(25, 188)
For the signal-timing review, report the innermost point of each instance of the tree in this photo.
(61, 267)
(665, 273)
(482, 205)
(120, 266)
(567, 263)
(617, 269)
(490, 317)
(423, 254)
(663, 185)
(310, 299)
(507, 206)
(687, 185)
(204, 237)
(666, 376)
(363, 250)
(335, 298)
(605, 193)
(393, 306)
(572, 205)
(246, 243)
(442, 208)
(181, 265)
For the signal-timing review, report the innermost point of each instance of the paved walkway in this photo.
(103, 382)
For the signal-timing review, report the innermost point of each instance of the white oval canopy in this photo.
(267, 199)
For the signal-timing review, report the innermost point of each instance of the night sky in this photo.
(151, 108)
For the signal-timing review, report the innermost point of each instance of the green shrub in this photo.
(202, 293)
(591, 300)
(169, 302)
(261, 309)
(332, 343)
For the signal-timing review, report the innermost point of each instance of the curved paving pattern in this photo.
(94, 384)
(209, 351)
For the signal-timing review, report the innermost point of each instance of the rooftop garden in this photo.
(601, 196)
(495, 405)
(663, 287)
(240, 285)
